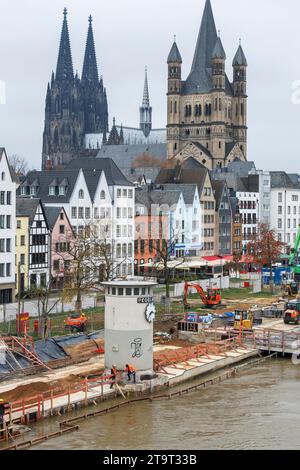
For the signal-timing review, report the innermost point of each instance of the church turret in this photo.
(174, 92)
(218, 65)
(218, 134)
(146, 110)
(240, 65)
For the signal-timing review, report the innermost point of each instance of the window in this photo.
(2, 267)
(87, 213)
(8, 221)
(51, 190)
(2, 198)
(8, 245)
(279, 197)
(2, 245)
(19, 225)
(124, 192)
(118, 231)
(3, 176)
(80, 213)
(74, 212)
(56, 265)
(280, 223)
(8, 270)
(2, 221)
(119, 193)
(81, 194)
(22, 259)
(61, 229)
(130, 193)
(62, 216)
(8, 198)
(102, 195)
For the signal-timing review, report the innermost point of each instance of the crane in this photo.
(294, 257)
(210, 299)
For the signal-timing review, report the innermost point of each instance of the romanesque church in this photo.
(207, 113)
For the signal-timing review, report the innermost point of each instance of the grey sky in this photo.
(130, 34)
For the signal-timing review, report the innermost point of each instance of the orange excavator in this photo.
(210, 299)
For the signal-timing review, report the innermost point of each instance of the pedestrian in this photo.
(113, 373)
(131, 371)
(3, 406)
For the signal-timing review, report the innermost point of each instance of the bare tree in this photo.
(88, 262)
(45, 307)
(18, 164)
(166, 263)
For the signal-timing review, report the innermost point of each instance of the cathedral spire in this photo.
(64, 70)
(198, 79)
(90, 68)
(145, 109)
(146, 99)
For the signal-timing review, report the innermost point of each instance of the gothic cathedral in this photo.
(207, 114)
(74, 106)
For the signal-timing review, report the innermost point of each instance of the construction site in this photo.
(48, 378)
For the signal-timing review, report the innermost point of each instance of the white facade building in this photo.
(285, 207)
(249, 209)
(7, 230)
(101, 198)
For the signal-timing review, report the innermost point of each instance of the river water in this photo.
(258, 409)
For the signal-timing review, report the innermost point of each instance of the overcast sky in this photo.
(130, 34)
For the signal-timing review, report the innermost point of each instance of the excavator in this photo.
(210, 299)
(293, 261)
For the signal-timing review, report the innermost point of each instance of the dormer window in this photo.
(32, 190)
(51, 190)
(23, 191)
(62, 190)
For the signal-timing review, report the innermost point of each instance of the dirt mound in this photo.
(85, 350)
(25, 391)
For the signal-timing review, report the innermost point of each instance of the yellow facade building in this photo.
(22, 254)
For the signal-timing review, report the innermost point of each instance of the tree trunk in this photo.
(78, 304)
(271, 280)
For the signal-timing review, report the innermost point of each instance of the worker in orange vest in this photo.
(131, 371)
(3, 406)
(113, 373)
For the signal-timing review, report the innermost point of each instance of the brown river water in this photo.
(258, 409)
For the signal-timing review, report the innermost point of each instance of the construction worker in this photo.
(131, 371)
(3, 406)
(113, 373)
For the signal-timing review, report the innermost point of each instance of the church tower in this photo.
(74, 106)
(63, 132)
(206, 112)
(146, 110)
(93, 91)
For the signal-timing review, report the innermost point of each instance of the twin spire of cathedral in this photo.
(64, 69)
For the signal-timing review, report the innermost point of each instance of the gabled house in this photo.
(7, 230)
(191, 172)
(62, 238)
(93, 193)
(35, 272)
(223, 218)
